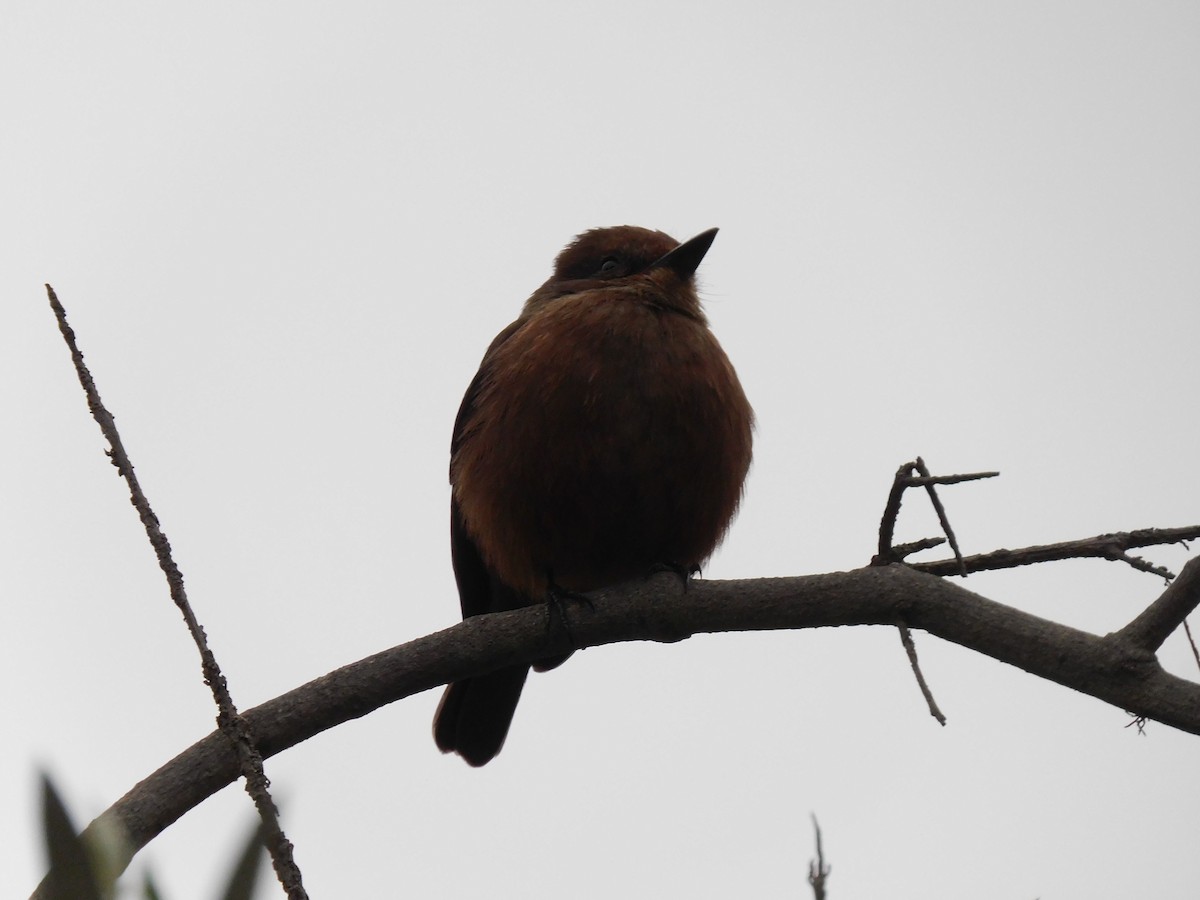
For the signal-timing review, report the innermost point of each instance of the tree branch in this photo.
(1165, 614)
(1103, 546)
(1110, 668)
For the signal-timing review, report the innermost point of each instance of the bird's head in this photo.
(650, 264)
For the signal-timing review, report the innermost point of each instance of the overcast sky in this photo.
(285, 233)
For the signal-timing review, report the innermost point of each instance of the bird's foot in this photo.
(685, 573)
(557, 597)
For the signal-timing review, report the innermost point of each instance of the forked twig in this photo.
(231, 724)
(903, 480)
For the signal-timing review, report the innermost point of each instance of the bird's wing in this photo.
(466, 409)
(478, 590)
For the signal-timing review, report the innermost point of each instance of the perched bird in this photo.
(604, 435)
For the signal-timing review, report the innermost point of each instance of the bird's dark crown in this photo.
(612, 253)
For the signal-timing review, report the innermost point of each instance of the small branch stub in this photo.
(818, 870)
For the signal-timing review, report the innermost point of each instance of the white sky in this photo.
(285, 233)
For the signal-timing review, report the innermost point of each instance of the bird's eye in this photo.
(609, 265)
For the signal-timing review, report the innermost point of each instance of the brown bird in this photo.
(604, 435)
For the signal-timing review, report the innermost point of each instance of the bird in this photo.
(604, 436)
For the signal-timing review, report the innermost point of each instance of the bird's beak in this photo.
(685, 258)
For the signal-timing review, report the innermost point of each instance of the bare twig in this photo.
(1187, 629)
(818, 871)
(903, 551)
(1138, 722)
(1103, 546)
(232, 725)
(941, 513)
(891, 512)
(911, 649)
(1143, 565)
(904, 479)
(922, 480)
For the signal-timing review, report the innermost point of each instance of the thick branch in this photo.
(1108, 668)
(1165, 614)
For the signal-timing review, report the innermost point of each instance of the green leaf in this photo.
(245, 874)
(72, 876)
(149, 890)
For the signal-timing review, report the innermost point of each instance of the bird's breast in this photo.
(608, 435)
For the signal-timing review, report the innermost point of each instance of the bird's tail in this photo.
(473, 718)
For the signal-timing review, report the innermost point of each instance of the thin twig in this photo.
(1103, 546)
(1138, 722)
(941, 513)
(1143, 565)
(231, 724)
(911, 649)
(903, 551)
(818, 871)
(922, 480)
(1187, 629)
(891, 512)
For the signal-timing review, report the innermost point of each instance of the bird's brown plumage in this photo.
(605, 433)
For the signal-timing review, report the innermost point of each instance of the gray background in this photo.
(285, 233)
